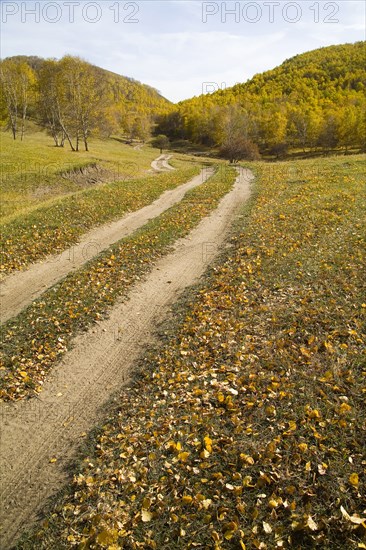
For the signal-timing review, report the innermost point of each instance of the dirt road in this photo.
(49, 427)
(161, 164)
(19, 289)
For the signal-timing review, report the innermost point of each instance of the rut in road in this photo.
(19, 289)
(51, 426)
(161, 164)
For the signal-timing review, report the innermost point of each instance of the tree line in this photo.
(313, 101)
(73, 99)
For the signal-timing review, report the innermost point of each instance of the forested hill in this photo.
(313, 99)
(63, 95)
(321, 73)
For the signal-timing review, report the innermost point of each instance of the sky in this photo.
(181, 47)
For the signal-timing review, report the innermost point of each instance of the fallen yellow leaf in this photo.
(146, 516)
(353, 479)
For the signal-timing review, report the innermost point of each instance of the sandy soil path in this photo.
(52, 425)
(161, 164)
(19, 289)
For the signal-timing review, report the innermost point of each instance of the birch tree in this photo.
(17, 81)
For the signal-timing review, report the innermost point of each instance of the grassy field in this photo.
(41, 223)
(34, 340)
(246, 428)
(33, 171)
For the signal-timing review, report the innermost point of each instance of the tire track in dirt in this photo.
(51, 425)
(161, 164)
(19, 289)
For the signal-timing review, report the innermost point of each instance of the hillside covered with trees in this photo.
(73, 99)
(314, 100)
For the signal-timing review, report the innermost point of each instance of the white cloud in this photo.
(178, 63)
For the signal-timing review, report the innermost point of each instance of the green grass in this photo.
(33, 171)
(34, 340)
(58, 223)
(246, 428)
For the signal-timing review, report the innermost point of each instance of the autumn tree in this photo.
(235, 144)
(328, 135)
(160, 142)
(71, 95)
(303, 126)
(239, 148)
(17, 81)
(141, 128)
(348, 127)
(81, 96)
(172, 125)
(50, 103)
(273, 125)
